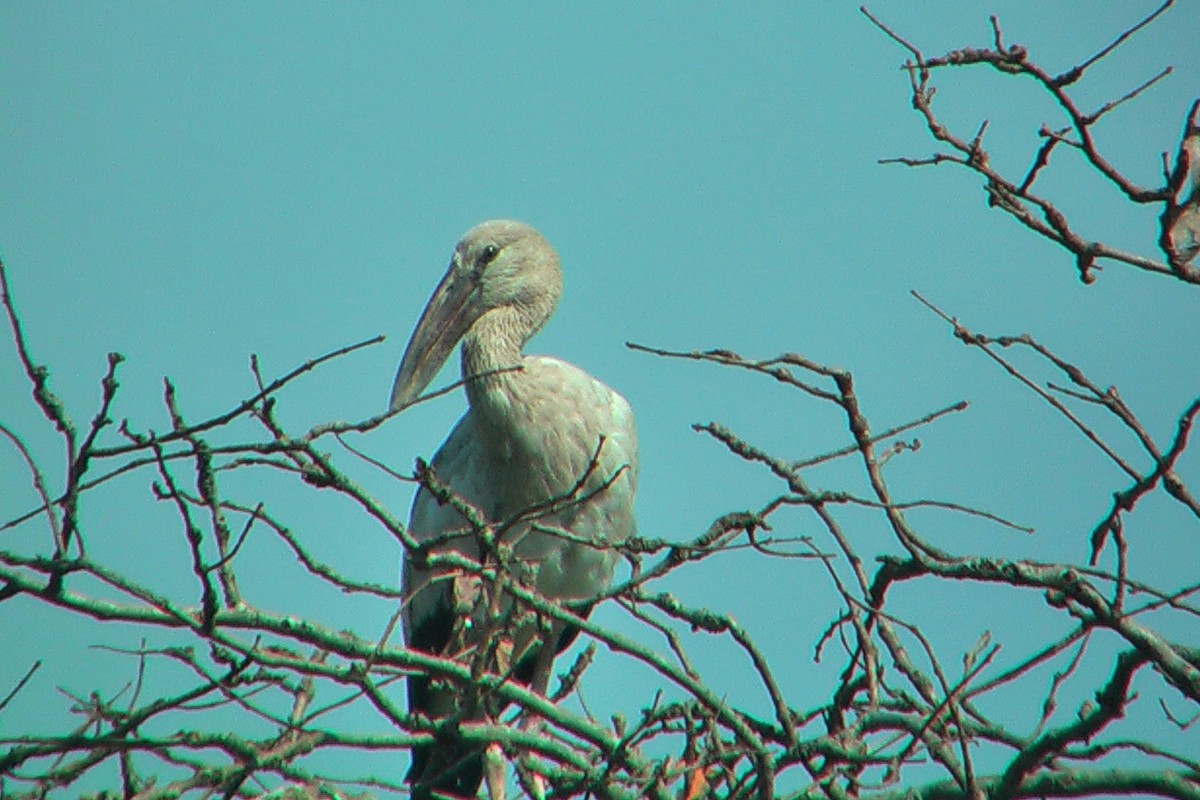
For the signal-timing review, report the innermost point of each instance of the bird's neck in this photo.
(490, 349)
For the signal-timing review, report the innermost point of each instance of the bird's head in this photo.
(498, 264)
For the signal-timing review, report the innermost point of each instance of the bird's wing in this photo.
(563, 417)
(573, 418)
(556, 430)
(427, 614)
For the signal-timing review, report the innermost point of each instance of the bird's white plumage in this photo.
(532, 440)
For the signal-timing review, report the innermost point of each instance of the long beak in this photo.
(445, 320)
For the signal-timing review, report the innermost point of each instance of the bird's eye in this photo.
(487, 255)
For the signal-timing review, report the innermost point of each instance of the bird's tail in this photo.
(446, 769)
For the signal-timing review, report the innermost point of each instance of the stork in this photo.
(546, 454)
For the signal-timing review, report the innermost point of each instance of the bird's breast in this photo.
(548, 419)
(555, 435)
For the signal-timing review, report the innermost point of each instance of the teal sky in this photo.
(190, 184)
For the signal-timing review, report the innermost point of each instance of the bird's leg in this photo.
(493, 771)
(531, 782)
(465, 592)
(543, 667)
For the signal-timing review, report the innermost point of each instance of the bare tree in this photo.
(1017, 195)
(268, 694)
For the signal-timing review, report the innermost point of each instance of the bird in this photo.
(546, 455)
